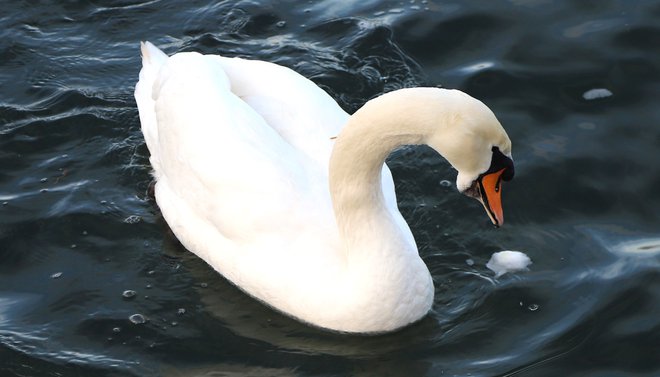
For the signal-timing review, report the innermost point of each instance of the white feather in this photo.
(508, 261)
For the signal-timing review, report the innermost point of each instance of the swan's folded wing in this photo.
(219, 163)
(304, 115)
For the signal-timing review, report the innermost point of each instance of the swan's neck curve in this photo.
(356, 166)
(459, 127)
(403, 117)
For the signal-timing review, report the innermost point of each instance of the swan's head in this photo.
(487, 187)
(472, 139)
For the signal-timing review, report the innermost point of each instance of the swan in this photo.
(262, 175)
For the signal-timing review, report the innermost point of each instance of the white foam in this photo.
(508, 261)
(597, 93)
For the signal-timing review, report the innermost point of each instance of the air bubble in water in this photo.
(132, 219)
(129, 293)
(137, 319)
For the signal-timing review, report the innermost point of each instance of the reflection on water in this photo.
(649, 246)
(641, 247)
(625, 242)
(93, 283)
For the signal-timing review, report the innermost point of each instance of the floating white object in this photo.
(596, 94)
(508, 261)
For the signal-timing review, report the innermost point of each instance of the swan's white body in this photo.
(249, 176)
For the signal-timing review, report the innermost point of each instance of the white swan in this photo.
(250, 177)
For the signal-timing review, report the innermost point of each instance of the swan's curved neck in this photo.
(398, 118)
(356, 166)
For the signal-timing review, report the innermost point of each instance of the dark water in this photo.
(76, 229)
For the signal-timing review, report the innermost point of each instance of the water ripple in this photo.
(584, 206)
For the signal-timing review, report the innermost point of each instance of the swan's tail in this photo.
(152, 60)
(152, 55)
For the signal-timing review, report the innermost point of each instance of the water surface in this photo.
(575, 83)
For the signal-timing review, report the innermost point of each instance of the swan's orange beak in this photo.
(491, 196)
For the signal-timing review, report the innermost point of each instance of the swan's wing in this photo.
(303, 114)
(217, 162)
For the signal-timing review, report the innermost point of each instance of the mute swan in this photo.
(250, 177)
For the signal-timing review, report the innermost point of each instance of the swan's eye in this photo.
(499, 161)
